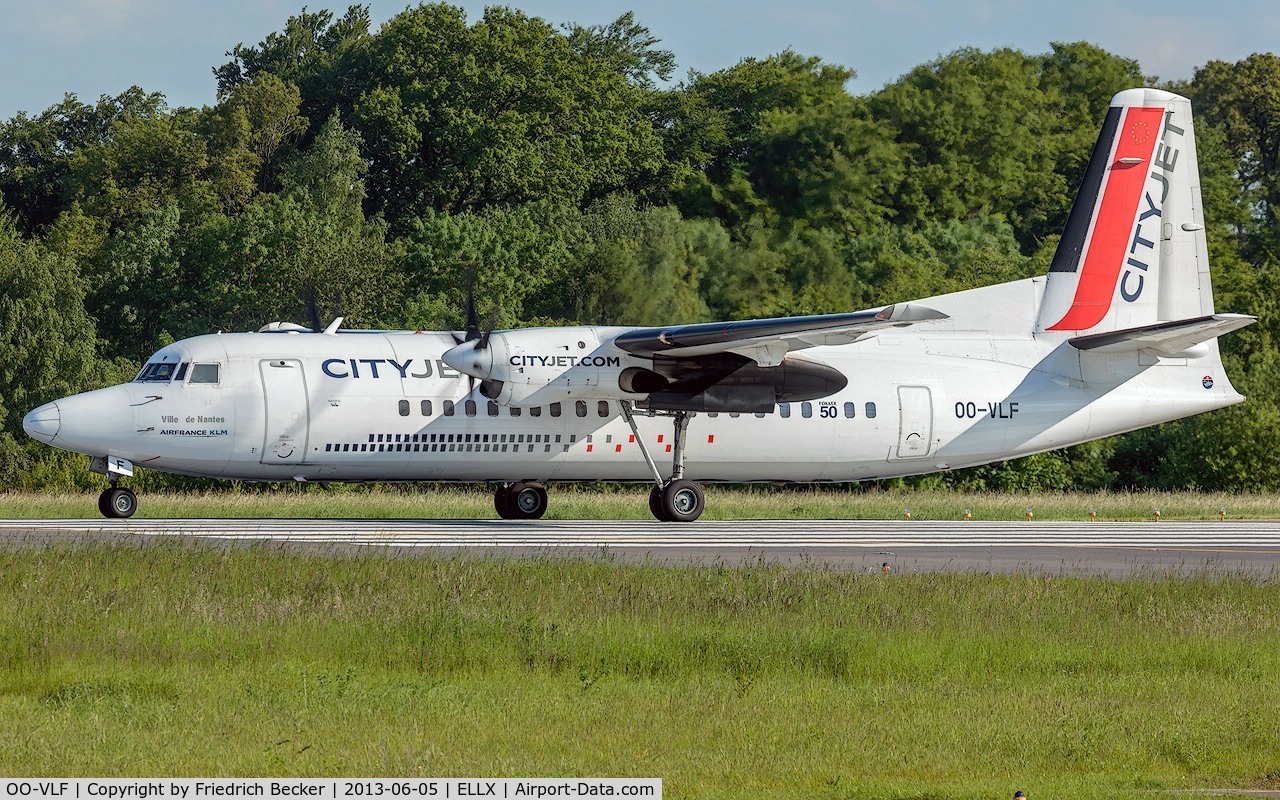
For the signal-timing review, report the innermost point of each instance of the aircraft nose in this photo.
(43, 422)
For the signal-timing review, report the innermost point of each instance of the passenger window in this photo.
(806, 409)
(426, 408)
(404, 408)
(493, 409)
(713, 414)
(602, 408)
(448, 408)
(204, 373)
(759, 415)
(848, 410)
(784, 410)
(515, 411)
(470, 407)
(580, 408)
(871, 410)
(555, 409)
(536, 411)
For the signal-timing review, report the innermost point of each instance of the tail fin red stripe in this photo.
(1113, 223)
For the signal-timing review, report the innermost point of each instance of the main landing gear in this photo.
(678, 499)
(117, 502)
(524, 500)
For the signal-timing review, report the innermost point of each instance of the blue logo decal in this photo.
(1207, 381)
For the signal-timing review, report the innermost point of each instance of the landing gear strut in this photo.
(117, 502)
(524, 500)
(678, 499)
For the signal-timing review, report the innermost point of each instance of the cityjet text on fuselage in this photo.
(564, 361)
(421, 368)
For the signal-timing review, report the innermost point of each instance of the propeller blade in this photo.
(309, 295)
(473, 324)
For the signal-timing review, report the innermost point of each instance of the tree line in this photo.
(558, 167)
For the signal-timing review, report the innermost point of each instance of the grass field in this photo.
(732, 502)
(745, 682)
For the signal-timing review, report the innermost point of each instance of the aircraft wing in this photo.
(766, 341)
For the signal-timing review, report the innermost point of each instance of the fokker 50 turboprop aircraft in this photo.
(1119, 335)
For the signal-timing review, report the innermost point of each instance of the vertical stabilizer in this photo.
(1133, 252)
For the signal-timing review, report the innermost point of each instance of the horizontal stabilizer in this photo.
(1165, 338)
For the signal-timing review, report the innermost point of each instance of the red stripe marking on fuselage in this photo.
(1113, 226)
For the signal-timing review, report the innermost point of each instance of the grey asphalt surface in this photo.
(1113, 550)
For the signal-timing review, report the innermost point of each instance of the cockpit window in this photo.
(157, 371)
(204, 373)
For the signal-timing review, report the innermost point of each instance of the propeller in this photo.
(473, 333)
(309, 296)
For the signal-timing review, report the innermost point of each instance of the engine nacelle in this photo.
(728, 382)
(537, 366)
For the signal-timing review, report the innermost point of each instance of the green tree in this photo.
(1000, 133)
(251, 133)
(310, 243)
(318, 54)
(37, 153)
(1243, 99)
(781, 139)
(46, 338)
(627, 47)
(142, 164)
(501, 113)
(136, 285)
(643, 266)
(515, 260)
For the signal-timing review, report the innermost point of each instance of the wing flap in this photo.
(1164, 338)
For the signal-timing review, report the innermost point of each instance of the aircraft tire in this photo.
(501, 500)
(118, 503)
(683, 501)
(527, 501)
(655, 504)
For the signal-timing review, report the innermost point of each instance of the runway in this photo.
(1112, 549)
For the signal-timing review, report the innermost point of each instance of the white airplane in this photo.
(1119, 335)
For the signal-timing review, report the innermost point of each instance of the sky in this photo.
(96, 47)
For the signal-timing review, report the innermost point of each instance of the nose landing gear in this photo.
(117, 502)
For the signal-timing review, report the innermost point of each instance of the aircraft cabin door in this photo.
(915, 423)
(284, 388)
